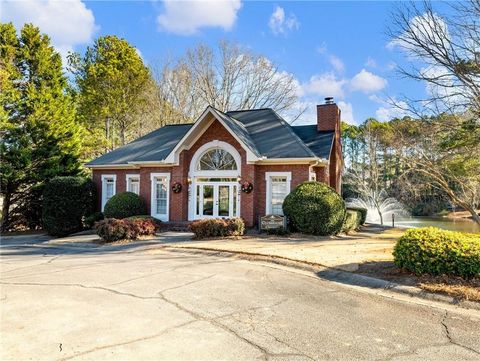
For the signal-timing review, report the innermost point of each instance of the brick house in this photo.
(192, 171)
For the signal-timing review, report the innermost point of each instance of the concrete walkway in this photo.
(344, 252)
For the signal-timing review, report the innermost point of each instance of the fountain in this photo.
(383, 213)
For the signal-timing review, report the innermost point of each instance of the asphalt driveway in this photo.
(127, 303)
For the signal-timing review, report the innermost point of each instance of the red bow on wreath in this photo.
(176, 187)
(246, 187)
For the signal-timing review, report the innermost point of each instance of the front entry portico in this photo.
(214, 189)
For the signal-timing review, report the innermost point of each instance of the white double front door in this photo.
(216, 200)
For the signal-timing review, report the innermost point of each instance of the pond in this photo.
(460, 225)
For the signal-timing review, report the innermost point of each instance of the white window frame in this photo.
(153, 189)
(105, 177)
(268, 179)
(128, 179)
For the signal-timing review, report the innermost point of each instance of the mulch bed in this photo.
(457, 287)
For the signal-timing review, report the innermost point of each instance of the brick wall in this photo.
(251, 205)
(300, 173)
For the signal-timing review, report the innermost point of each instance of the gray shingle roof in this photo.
(154, 146)
(263, 131)
(272, 135)
(320, 143)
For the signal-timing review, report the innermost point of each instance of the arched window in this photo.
(217, 159)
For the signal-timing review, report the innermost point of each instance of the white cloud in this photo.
(427, 28)
(187, 17)
(280, 24)
(389, 109)
(347, 112)
(325, 85)
(367, 82)
(387, 113)
(68, 23)
(371, 63)
(337, 63)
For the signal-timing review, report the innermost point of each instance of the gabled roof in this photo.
(320, 143)
(272, 135)
(154, 146)
(262, 132)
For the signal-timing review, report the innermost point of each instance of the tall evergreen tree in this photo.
(112, 83)
(40, 138)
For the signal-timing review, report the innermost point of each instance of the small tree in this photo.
(40, 138)
(112, 82)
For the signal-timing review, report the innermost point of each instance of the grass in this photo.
(453, 286)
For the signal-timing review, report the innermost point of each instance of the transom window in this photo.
(217, 159)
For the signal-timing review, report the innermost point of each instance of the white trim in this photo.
(104, 187)
(268, 193)
(129, 177)
(193, 172)
(112, 166)
(318, 161)
(153, 177)
(173, 156)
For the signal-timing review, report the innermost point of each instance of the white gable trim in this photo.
(173, 156)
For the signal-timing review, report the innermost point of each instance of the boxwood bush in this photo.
(217, 227)
(123, 205)
(363, 214)
(66, 202)
(315, 208)
(352, 220)
(435, 251)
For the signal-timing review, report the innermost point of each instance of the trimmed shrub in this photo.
(315, 208)
(124, 205)
(363, 214)
(111, 229)
(148, 224)
(66, 201)
(352, 220)
(91, 219)
(435, 251)
(217, 227)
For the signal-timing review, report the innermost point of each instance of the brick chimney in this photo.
(328, 119)
(328, 116)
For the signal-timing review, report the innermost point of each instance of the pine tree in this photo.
(40, 137)
(112, 83)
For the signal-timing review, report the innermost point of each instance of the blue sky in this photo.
(331, 48)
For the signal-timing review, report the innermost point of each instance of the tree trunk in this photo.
(6, 211)
(473, 212)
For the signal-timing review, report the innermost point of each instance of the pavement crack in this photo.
(187, 284)
(127, 342)
(443, 322)
(214, 322)
(81, 286)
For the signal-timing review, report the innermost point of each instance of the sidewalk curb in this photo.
(335, 275)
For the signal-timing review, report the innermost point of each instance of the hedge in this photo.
(352, 220)
(314, 208)
(112, 229)
(124, 205)
(217, 227)
(92, 219)
(66, 202)
(435, 251)
(363, 214)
